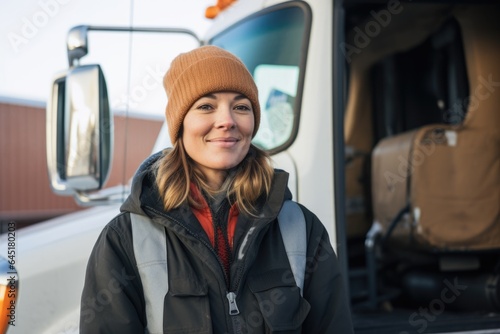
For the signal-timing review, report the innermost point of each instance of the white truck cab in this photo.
(381, 112)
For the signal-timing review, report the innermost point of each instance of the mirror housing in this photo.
(79, 131)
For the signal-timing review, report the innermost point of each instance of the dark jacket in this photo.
(266, 295)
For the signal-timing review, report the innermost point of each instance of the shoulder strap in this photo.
(148, 238)
(293, 230)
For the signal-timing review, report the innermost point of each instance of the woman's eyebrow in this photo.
(236, 98)
(210, 96)
(240, 97)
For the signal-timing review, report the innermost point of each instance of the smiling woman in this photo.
(212, 255)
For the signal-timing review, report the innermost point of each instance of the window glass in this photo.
(271, 46)
(277, 89)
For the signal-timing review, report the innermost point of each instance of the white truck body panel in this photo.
(51, 258)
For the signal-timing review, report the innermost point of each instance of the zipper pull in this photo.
(233, 308)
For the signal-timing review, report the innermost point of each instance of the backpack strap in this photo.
(293, 230)
(149, 239)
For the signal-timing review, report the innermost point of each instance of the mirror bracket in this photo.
(77, 40)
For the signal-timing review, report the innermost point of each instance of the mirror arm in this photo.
(77, 41)
(113, 195)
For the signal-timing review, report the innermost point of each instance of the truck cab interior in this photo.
(422, 165)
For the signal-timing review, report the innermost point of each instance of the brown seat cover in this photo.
(454, 171)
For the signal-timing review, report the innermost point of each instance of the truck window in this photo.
(272, 44)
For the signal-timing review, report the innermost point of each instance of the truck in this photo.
(384, 113)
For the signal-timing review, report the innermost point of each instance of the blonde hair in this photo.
(175, 171)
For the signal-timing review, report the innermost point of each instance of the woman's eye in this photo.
(243, 108)
(205, 107)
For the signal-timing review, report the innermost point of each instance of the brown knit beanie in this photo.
(204, 70)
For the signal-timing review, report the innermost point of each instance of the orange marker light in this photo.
(213, 11)
(8, 295)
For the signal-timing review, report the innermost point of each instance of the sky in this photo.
(33, 46)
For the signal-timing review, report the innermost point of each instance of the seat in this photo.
(407, 29)
(449, 175)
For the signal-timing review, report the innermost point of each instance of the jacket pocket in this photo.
(187, 308)
(280, 302)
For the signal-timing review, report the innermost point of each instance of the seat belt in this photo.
(149, 237)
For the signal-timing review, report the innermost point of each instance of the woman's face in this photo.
(217, 132)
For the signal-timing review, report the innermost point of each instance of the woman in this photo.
(215, 199)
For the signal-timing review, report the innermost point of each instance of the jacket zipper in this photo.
(233, 307)
(231, 296)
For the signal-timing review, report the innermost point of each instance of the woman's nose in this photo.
(225, 118)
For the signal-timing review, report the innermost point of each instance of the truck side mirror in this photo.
(79, 131)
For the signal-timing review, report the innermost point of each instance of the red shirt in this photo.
(204, 216)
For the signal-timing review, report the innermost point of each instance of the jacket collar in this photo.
(144, 193)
